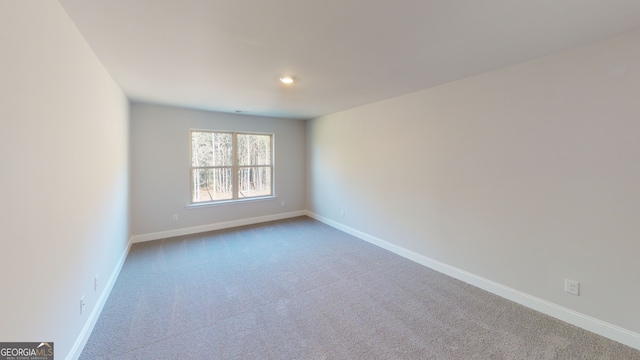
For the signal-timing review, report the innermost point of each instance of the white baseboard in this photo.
(212, 227)
(81, 341)
(588, 323)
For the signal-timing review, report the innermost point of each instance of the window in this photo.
(230, 166)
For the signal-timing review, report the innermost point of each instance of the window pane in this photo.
(254, 181)
(211, 149)
(254, 149)
(211, 184)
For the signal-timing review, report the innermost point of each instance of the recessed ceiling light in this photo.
(287, 79)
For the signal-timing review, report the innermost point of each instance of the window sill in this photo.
(230, 202)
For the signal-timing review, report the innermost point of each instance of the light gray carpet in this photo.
(298, 289)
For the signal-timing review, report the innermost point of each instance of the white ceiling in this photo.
(227, 55)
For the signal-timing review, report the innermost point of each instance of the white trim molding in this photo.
(585, 322)
(82, 339)
(211, 227)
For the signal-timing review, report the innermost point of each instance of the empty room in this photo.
(218, 179)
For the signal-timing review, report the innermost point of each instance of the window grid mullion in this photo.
(211, 167)
(234, 170)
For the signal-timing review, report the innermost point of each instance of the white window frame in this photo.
(235, 168)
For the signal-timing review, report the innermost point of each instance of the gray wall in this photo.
(523, 176)
(64, 182)
(160, 166)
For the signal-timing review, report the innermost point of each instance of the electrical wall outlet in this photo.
(82, 304)
(572, 287)
(175, 217)
(342, 213)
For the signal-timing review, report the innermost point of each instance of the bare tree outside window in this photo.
(254, 165)
(227, 166)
